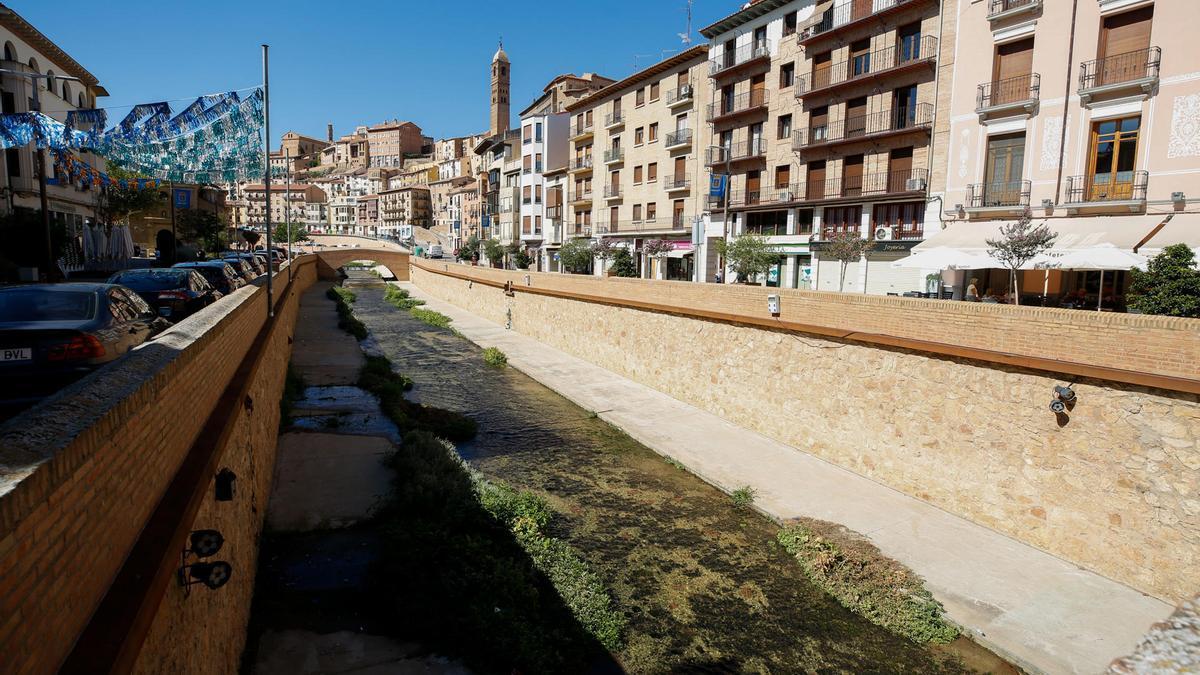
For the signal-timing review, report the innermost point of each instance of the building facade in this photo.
(636, 171)
(390, 142)
(288, 203)
(1090, 126)
(402, 208)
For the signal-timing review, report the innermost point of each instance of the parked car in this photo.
(278, 256)
(242, 268)
(173, 293)
(219, 273)
(255, 264)
(54, 334)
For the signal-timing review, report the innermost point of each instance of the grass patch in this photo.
(742, 497)
(430, 317)
(293, 390)
(463, 556)
(346, 319)
(494, 357)
(676, 463)
(851, 569)
(400, 299)
(378, 378)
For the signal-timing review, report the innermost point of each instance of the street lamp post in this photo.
(41, 159)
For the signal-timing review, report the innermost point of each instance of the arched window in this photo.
(66, 92)
(82, 101)
(10, 52)
(50, 80)
(34, 65)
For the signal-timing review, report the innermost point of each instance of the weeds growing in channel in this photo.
(743, 497)
(400, 299)
(863, 580)
(346, 319)
(293, 390)
(389, 386)
(494, 357)
(430, 317)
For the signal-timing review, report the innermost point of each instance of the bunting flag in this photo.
(217, 138)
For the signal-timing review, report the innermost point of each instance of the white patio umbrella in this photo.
(1102, 257)
(945, 258)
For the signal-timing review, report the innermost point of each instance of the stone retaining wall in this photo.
(1113, 488)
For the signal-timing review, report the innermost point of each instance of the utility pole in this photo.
(287, 201)
(267, 178)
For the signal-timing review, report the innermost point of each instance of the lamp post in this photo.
(41, 158)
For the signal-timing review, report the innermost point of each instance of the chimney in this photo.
(329, 132)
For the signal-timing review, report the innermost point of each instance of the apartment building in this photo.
(499, 183)
(367, 221)
(389, 142)
(1091, 125)
(316, 216)
(444, 207)
(822, 117)
(287, 202)
(353, 150)
(403, 207)
(465, 213)
(343, 214)
(545, 145)
(27, 50)
(636, 171)
(556, 188)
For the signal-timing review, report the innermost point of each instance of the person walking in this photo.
(972, 294)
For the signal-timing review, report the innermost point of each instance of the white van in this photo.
(435, 251)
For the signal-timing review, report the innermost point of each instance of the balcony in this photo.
(581, 196)
(1131, 73)
(744, 103)
(612, 192)
(611, 227)
(680, 97)
(614, 156)
(998, 198)
(845, 188)
(1124, 191)
(580, 230)
(554, 212)
(865, 127)
(581, 131)
(998, 10)
(579, 164)
(737, 152)
(1013, 95)
(614, 120)
(679, 139)
(868, 67)
(676, 183)
(740, 59)
(852, 16)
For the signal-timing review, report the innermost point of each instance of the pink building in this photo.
(1085, 113)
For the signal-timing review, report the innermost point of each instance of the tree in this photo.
(494, 252)
(576, 256)
(1019, 243)
(657, 248)
(203, 228)
(847, 247)
(622, 264)
(280, 235)
(747, 255)
(521, 259)
(1170, 285)
(251, 237)
(118, 203)
(469, 249)
(603, 249)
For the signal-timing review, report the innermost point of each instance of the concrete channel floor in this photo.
(1040, 612)
(328, 475)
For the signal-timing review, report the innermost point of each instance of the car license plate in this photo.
(16, 354)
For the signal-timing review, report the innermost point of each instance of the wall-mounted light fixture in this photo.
(212, 574)
(1064, 398)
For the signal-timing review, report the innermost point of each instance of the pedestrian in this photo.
(720, 276)
(972, 294)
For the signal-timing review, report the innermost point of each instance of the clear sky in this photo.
(353, 63)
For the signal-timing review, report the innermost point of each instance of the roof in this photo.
(394, 124)
(500, 55)
(744, 15)
(25, 30)
(642, 75)
(1074, 232)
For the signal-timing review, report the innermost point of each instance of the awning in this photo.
(1123, 232)
(1182, 228)
(817, 15)
(679, 253)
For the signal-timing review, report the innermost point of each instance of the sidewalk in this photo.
(1036, 610)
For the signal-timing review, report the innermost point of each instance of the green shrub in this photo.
(430, 317)
(346, 319)
(742, 497)
(862, 579)
(399, 298)
(494, 357)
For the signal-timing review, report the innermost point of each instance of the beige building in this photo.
(636, 168)
(1093, 126)
(144, 226)
(352, 150)
(287, 201)
(391, 141)
(401, 208)
(822, 117)
(27, 50)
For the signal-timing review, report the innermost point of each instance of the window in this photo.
(526, 163)
(804, 221)
(637, 213)
(640, 97)
(789, 24)
(537, 162)
(1002, 171)
(822, 70)
(527, 134)
(537, 194)
(767, 223)
(1012, 72)
(637, 174)
(785, 126)
(906, 218)
(651, 211)
(525, 224)
(908, 42)
(682, 79)
(783, 176)
(525, 194)
(653, 132)
(787, 75)
(651, 172)
(639, 136)
(842, 220)
(760, 38)
(537, 224)
(1113, 159)
(654, 92)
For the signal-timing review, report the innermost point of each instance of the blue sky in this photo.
(359, 62)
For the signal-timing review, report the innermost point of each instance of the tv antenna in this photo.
(687, 37)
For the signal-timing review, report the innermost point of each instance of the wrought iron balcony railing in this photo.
(998, 7)
(612, 191)
(679, 138)
(735, 152)
(1142, 64)
(678, 182)
(998, 194)
(1014, 91)
(851, 129)
(866, 66)
(581, 163)
(760, 50)
(680, 95)
(1124, 186)
(734, 105)
(614, 155)
(614, 119)
(848, 14)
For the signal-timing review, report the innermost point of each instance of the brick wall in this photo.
(81, 473)
(1113, 489)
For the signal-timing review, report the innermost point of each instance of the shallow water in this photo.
(704, 585)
